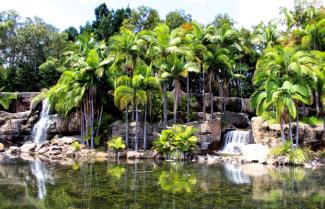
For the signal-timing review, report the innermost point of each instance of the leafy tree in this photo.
(177, 18)
(142, 18)
(72, 33)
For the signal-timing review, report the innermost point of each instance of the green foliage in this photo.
(312, 120)
(176, 141)
(116, 143)
(176, 182)
(6, 98)
(296, 155)
(116, 171)
(320, 153)
(76, 145)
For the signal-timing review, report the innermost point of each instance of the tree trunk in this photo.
(211, 96)
(297, 127)
(136, 126)
(290, 132)
(188, 98)
(92, 116)
(165, 104)
(145, 129)
(317, 102)
(203, 92)
(177, 87)
(126, 127)
(282, 123)
(100, 119)
(324, 127)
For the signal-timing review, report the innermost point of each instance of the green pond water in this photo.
(153, 185)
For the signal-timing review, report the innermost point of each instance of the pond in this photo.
(153, 185)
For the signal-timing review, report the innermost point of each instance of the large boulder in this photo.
(239, 120)
(16, 127)
(233, 104)
(270, 134)
(64, 125)
(254, 153)
(28, 147)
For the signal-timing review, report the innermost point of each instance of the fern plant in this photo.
(116, 143)
(177, 141)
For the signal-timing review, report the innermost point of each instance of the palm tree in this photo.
(223, 42)
(151, 85)
(85, 72)
(177, 68)
(276, 71)
(165, 43)
(200, 53)
(123, 97)
(281, 96)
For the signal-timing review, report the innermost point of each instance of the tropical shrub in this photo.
(177, 141)
(296, 156)
(116, 143)
(76, 146)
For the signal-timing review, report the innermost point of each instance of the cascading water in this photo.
(40, 128)
(235, 174)
(234, 140)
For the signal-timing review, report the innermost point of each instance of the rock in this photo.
(14, 149)
(23, 101)
(2, 147)
(270, 134)
(101, 155)
(55, 152)
(134, 155)
(28, 147)
(55, 147)
(26, 156)
(40, 146)
(239, 120)
(43, 150)
(254, 152)
(70, 152)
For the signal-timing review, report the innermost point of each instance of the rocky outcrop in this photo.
(17, 127)
(23, 102)
(254, 153)
(270, 134)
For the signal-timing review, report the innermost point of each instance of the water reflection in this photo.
(159, 185)
(235, 174)
(42, 176)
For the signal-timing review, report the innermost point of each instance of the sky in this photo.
(66, 13)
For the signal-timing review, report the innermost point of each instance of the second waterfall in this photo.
(40, 128)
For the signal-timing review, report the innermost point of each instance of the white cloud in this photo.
(251, 12)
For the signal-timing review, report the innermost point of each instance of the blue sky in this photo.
(65, 13)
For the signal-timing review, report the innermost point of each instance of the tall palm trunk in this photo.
(290, 132)
(165, 104)
(203, 92)
(177, 87)
(136, 126)
(211, 95)
(324, 126)
(282, 123)
(99, 119)
(297, 126)
(188, 98)
(126, 126)
(317, 102)
(145, 129)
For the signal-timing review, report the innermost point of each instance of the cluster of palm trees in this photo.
(291, 74)
(136, 68)
(140, 66)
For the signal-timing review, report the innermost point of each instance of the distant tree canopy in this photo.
(177, 18)
(24, 45)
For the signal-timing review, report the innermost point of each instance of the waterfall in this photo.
(40, 128)
(235, 174)
(42, 175)
(234, 140)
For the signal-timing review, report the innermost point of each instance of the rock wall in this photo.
(16, 128)
(23, 102)
(233, 104)
(208, 132)
(270, 134)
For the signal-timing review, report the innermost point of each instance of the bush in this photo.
(296, 156)
(76, 146)
(177, 141)
(116, 143)
(312, 120)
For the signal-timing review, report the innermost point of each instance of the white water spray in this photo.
(234, 140)
(40, 128)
